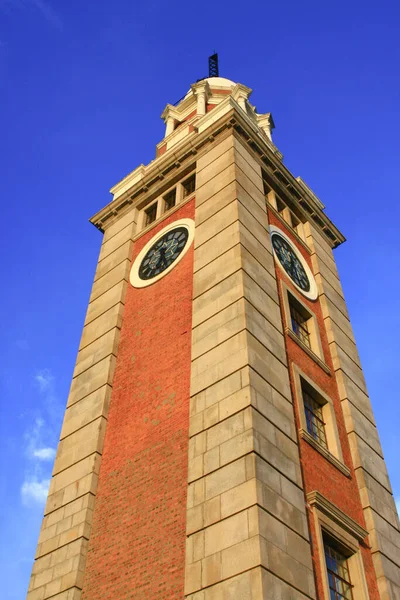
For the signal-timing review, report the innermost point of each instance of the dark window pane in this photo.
(189, 186)
(316, 428)
(340, 586)
(170, 200)
(151, 214)
(300, 326)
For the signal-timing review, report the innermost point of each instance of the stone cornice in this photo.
(201, 86)
(226, 114)
(335, 514)
(296, 194)
(141, 180)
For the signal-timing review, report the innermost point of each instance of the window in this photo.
(171, 197)
(340, 587)
(267, 188)
(150, 214)
(318, 420)
(280, 206)
(299, 321)
(292, 219)
(314, 417)
(338, 539)
(170, 200)
(189, 185)
(302, 326)
(295, 221)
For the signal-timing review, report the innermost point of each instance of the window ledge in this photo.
(322, 450)
(306, 349)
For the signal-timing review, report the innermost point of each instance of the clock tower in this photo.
(218, 441)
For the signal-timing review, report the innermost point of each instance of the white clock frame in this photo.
(312, 294)
(134, 278)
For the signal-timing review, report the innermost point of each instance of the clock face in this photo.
(163, 253)
(291, 261)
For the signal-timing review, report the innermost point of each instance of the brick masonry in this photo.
(318, 473)
(137, 543)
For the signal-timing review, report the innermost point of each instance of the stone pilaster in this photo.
(61, 553)
(247, 533)
(376, 495)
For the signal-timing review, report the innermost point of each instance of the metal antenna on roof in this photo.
(213, 65)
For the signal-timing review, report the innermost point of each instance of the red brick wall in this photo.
(137, 545)
(318, 473)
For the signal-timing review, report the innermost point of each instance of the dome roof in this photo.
(220, 82)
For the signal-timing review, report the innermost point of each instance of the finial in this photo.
(213, 65)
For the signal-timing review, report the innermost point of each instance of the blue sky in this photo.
(82, 85)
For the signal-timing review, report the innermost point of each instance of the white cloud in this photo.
(41, 439)
(35, 491)
(33, 437)
(44, 379)
(44, 453)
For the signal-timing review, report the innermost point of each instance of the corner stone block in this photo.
(238, 498)
(193, 577)
(117, 240)
(274, 588)
(265, 363)
(110, 279)
(243, 587)
(217, 246)
(129, 218)
(220, 200)
(348, 390)
(215, 185)
(253, 190)
(113, 296)
(109, 320)
(212, 155)
(241, 557)
(115, 258)
(226, 533)
(216, 271)
(100, 374)
(73, 474)
(262, 301)
(206, 173)
(226, 478)
(95, 352)
(218, 328)
(249, 167)
(86, 410)
(80, 444)
(217, 298)
(218, 363)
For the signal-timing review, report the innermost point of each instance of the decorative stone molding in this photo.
(202, 92)
(241, 94)
(266, 123)
(317, 500)
(169, 115)
(227, 114)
